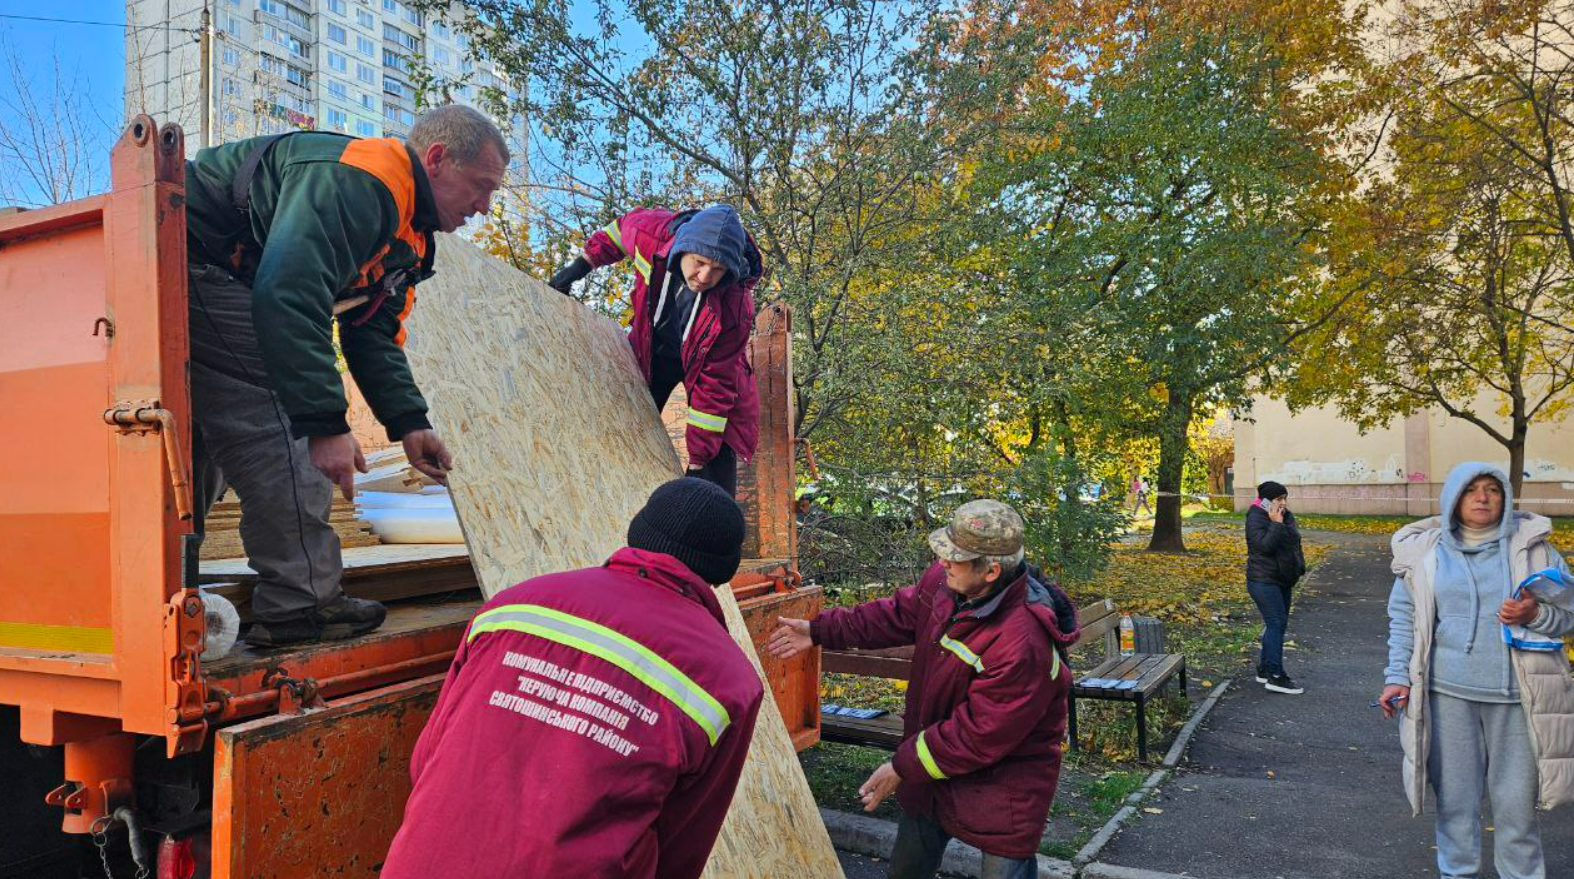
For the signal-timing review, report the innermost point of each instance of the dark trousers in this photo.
(242, 440)
(1273, 602)
(666, 373)
(920, 846)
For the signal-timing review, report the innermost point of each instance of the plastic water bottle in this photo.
(1128, 635)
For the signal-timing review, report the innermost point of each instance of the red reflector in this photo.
(175, 859)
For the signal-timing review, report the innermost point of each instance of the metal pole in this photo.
(206, 87)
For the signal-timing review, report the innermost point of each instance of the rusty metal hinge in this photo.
(145, 416)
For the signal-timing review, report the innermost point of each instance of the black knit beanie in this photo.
(695, 522)
(1271, 491)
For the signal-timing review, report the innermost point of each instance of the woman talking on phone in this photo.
(1477, 672)
(1274, 563)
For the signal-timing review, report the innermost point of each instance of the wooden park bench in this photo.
(1147, 674)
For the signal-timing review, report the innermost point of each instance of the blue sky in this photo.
(93, 55)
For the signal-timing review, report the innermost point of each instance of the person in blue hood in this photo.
(693, 310)
(1477, 673)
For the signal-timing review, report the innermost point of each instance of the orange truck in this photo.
(122, 752)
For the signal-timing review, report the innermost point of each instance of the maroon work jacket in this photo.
(717, 375)
(593, 724)
(986, 705)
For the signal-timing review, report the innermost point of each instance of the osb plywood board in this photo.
(556, 444)
(774, 828)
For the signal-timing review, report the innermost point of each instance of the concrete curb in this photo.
(1110, 871)
(875, 838)
(1172, 758)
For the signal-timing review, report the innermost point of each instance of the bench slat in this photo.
(884, 731)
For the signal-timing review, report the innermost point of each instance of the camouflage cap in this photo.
(978, 528)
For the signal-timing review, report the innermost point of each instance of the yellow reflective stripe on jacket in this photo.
(616, 235)
(928, 759)
(707, 421)
(614, 647)
(641, 265)
(962, 652)
(1054, 663)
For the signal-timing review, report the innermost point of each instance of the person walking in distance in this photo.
(1274, 563)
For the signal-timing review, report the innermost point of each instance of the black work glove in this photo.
(563, 281)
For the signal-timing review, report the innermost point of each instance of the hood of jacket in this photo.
(715, 233)
(1052, 608)
(1412, 542)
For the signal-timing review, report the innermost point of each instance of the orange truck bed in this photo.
(287, 764)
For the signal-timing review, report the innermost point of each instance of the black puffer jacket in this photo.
(1273, 549)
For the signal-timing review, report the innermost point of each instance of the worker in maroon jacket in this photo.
(594, 722)
(986, 703)
(693, 306)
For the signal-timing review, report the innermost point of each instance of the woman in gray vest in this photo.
(1477, 673)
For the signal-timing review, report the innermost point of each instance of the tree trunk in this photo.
(1516, 457)
(1172, 466)
(1068, 452)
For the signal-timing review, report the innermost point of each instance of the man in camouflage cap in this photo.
(986, 709)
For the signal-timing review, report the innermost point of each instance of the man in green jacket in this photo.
(287, 236)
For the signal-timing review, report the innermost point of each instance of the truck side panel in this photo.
(320, 793)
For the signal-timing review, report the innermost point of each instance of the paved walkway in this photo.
(1306, 787)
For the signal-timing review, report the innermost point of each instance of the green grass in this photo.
(1090, 793)
(836, 772)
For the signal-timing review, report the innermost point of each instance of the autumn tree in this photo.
(824, 121)
(1465, 270)
(1166, 230)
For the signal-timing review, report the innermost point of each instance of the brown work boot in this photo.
(344, 617)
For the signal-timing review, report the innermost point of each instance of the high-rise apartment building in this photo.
(339, 65)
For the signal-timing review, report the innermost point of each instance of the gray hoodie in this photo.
(1470, 659)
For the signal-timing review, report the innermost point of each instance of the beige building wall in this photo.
(1331, 467)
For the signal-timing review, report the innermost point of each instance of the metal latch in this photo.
(145, 416)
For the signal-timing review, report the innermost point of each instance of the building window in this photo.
(339, 90)
(398, 115)
(338, 7)
(394, 61)
(298, 76)
(396, 35)
(393, 87)
(390, 5)
(272, 7)
(337, 62)
(364, 19)
(410, 15)
(338, 35)
(440, 28)
(365, 129)
(366, 74)
(467, 65)
(441, 55)
(231, 57)
(231, 88)
(369, 102)
(231, 25)
(271, 64)
(288, 41)
(365, 46)
(338, 119)
(297, 17)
